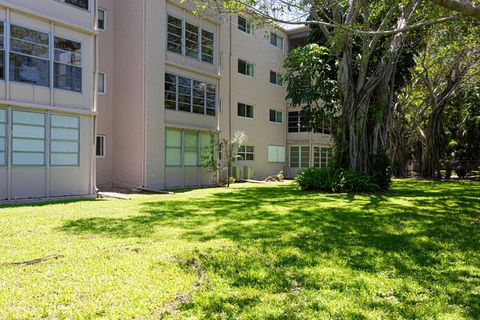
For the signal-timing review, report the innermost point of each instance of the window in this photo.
(321, 156)
(3, 136)
(207, 147)
(100, 147)
(244, 110)
(276, 78)
(276, 154)
(184, 94)
(276, 116)
(295, 122)
(190, 151)
(207, 46)
(246, 153)
(29, 56)
(174, 35)
(191, 40)
(28, 138)
(324, 126)
(245, 25)
(186, 147)
(246, 68)
(173, 147)
(68, 65)
(299, 156)
(82, 4)
(101, 19)
(276, 40)
(64, 140)
(101, 83)
(2, 50)
(198, 43)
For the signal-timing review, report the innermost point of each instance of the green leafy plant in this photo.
(335, 180)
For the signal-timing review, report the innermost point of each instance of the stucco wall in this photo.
(128, 116)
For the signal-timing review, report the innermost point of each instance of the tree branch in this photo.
(464, 7)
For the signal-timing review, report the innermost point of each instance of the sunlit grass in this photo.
(248, 252)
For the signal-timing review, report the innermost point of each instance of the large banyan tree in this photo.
(367, 41)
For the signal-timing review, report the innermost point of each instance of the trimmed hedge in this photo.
(335, 180)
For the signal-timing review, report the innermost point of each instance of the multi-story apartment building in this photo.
(175, 79)
(47, 98)
(167, 82)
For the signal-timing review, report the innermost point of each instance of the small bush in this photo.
(381, 171)
(335, 180)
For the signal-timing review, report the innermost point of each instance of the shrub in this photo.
(381, 171)
(335, 180)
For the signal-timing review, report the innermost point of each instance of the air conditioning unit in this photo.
(236, 173)
(247, 173)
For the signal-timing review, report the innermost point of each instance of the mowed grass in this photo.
(248, 252)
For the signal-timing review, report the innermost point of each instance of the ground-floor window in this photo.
(299, 156)
(186, 147)
(321, 156)
(65, 140)
(3, 136)
(27, 140)
(246, 153)
(276, 154)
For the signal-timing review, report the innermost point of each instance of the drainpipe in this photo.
(230, 102)
(93, 156)
(144, 95)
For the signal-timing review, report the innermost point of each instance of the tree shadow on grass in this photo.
(277, 235)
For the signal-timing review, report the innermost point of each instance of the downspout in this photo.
(93, 152)
(229, 169)
(144, 95)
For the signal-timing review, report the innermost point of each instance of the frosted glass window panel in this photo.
(191, 158)
(2, 159)
(33, 118)
(174, 138)
(65, 121)
(276, 154)
(3, 129)
(173, 157)
(205, 140)
(28, 145)
(28, 158)
(64, 134)
(191, 140)
(64, 147)
(2, 144)
(24, 131)
(3, 115)
(64, 159)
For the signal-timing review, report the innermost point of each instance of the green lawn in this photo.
(248, 252)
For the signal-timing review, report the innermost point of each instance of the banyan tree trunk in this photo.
(435, 143)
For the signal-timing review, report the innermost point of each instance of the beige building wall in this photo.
(105, 119)
(256, 91)
(132, 114)
(22, 102)
(128, 93)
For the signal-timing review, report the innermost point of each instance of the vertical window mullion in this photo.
(184, 36)
(191, 95)
(200, 39)
(177, 90)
